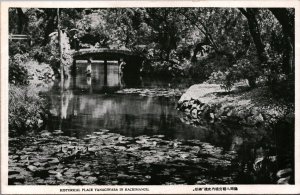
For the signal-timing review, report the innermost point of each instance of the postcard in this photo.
(150, 97)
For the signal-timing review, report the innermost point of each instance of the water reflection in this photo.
(88, 103)
(98, 81)
(85, 103)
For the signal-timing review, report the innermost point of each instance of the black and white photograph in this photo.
(128, 97)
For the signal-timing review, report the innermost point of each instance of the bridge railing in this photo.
(20, 37)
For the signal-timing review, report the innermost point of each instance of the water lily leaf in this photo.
(46, 134)
(54, 161)
(92, 179)
(72, 181)
(85, 173)
(32, 168)
(80, 178)
(148, 176)
(99, 132)
(59, 176)
(52, 172)
(58, 132)
(122, 148)
(16, 178)
(50, 181)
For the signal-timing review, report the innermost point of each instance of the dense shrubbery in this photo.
(18, 73)
(25, 110)
(166, 68)
(243, 69)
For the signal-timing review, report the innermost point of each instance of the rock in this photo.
(251, 120)
(194, 106)
(194, 113)
(241, 114)
(40, 122)
(184, 98)
(284, 180)
(212, 116)
(229, 113)
(258, 163)
(284, 172)
(226, 110)
(203, 107)
(254, 111)
(259, 118)
(187, 111)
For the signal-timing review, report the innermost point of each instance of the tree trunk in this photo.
(50, 24)
(22, 21)
(287, 21)
(60, 49)
(249, 13)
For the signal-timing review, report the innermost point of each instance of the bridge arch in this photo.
(133, 60)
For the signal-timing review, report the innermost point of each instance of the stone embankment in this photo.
(208, 103)
(252, 108)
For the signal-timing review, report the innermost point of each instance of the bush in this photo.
(202, 69)
(17, 48)
(246, 69)
(26, 110)
(226, 79)
(18, 73)
(242, 69)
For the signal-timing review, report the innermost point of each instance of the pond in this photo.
(154, 133)
(87, 104)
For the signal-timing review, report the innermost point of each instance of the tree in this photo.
(286, 18)
(250, 14)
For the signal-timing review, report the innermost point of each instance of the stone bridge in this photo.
(133, 61)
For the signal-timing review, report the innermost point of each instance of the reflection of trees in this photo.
(65, 97)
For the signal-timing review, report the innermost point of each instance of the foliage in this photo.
(25, 110)
(225, 79)
(256, 40)
(18, 73)
(17, 48)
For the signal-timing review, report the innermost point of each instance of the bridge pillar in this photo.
(105, 72)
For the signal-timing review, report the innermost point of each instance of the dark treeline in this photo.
(246, 42)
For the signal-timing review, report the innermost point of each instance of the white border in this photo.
(153, 189)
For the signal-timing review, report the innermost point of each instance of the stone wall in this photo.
(203, 101)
